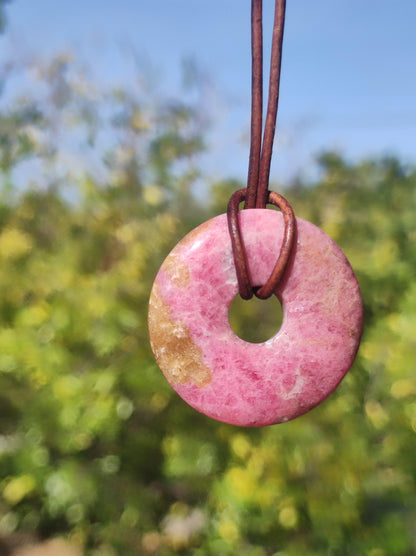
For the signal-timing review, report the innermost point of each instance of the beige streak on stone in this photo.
(177, 271)
(176, 354)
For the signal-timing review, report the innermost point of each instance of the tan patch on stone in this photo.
(176, 270)
(174, 267)
(193, 234)
(176, 354)
(354, 332)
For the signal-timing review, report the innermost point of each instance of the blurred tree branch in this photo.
(2, 14)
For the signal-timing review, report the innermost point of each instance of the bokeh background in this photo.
(122, 126)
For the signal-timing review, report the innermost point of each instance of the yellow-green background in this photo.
(94, 445)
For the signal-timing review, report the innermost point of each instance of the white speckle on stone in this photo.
(195, 245)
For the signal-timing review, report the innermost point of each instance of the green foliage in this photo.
(94, 444)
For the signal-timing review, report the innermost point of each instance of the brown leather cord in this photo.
(272, 105)
(244, 283)
(246, 290)
(257, 195)
(256, 103)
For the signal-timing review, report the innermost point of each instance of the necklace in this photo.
(262, 252)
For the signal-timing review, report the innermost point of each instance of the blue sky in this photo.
(348, 76)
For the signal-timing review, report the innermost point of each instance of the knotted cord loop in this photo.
(240, 260)
(257, 194)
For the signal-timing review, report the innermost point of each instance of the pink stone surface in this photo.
(238, 382)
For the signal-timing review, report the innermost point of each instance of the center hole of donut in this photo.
(256, 320)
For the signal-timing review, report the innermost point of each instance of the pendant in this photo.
(235, 381)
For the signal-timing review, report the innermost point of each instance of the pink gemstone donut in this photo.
(238, 382)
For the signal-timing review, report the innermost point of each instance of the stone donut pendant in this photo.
(235, 381)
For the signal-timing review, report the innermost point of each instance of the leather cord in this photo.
(257, 194)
